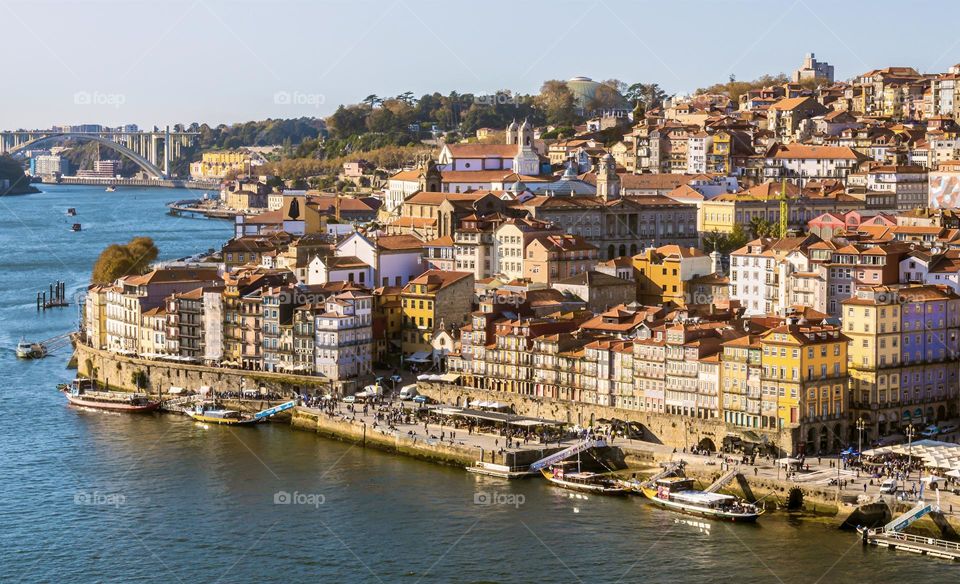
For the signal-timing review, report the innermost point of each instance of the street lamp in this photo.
(860, 427)
(910, 432)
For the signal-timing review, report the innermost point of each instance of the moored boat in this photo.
(221, 416)
(678, 494)
(584, 482)
(83, 392)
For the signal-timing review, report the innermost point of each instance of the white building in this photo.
(323, 270)
(908, 183)
(396, 259)
(698, 146)
(343, 346)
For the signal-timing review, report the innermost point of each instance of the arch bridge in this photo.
(151, 151)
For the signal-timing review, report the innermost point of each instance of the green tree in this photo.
(649, 94)
(119, 260)
(558, 103)
(763, 228)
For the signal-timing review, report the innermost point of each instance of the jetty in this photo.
(56, 299)
(892, 536)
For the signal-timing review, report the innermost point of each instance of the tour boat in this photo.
(221, 416)
(71, 212)
(111, 188)
(28, 350)
(678, 494)
(584, 482)
(82, 392)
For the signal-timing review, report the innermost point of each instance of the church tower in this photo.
(608, 183)
(429, 178)
(512, 133)
(526, 161)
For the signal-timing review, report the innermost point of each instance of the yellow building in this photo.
(95, 307)
(740, 384)
(430, 302)
(805, 384)
(663, 274)
(387, 321)
(216, 165)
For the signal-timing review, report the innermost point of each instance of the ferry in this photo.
(678, 494)
(83, 392)
(584, 482)
(28, 350)
(221, 416)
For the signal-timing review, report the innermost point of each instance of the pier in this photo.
(57, 298)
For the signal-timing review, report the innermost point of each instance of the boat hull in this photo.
(585, 487)
(114, 407)
(705, 512)
(223, 421)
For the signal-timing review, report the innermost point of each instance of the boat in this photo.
(584, 482)
(678, 494)
(83, 392)
(28, 350)
(71, 212)
(75, 227)
(111, 188)
(221, 416)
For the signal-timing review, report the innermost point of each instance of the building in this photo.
(216, 165)
(344, 339)
(663, 274)
(801, 163)
(49, 165)
(433, 301)
(813, 69)
(548, 258)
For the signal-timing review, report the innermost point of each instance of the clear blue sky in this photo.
(222, 61)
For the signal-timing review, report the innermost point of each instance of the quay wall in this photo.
(360, 433)
(116, 372)
(659, 428)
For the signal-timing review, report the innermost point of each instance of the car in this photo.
(888, 487)
(930, 432)
(948, 428)
(421, 399)
(409, 392)
(349, 399)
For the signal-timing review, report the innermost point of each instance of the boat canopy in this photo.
(701, 498)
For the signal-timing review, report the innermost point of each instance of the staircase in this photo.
(904, 521)
(567, 453)
(668, 470)
(275, 410)
(723, 480)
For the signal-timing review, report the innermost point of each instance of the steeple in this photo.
(526, 161)
(608, 182)
(429, 177)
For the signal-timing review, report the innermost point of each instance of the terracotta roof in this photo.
(398, 242)
(483, 150)
(804, 151)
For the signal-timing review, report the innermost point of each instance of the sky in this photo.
(159, 62)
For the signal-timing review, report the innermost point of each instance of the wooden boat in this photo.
(678, 494)
(221, 416)
(584, 482)
(82, 392)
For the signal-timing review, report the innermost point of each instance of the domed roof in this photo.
(584, 89)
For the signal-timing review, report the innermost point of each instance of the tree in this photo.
(734, 89)
(763, 228)
(372, 100)
(606, 97)
(119, 260)
(725, 243)
(558, 103)
(649, 94)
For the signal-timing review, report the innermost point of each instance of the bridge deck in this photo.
(919, 545)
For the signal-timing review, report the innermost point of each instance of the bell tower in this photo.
(608, 183)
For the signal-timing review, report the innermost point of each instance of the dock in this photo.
(937, 548)
(56, 299)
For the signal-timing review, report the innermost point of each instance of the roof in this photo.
(594, 279)
(482, 150)
(439, 278)
(398, 243)
(805, 151)
(168, 275)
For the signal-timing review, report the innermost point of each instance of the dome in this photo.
(584, 89)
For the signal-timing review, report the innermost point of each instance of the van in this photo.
(409, 391)
(888, 487)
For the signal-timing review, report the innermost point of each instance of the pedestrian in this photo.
(756, 471)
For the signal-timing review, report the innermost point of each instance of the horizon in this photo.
(221, 62)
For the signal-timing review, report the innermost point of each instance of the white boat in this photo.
(678, 494)
(27, 350)
(111, 188)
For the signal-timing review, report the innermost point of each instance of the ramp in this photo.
(723, 480)
(567, 453)
(668, 470)
(902, 522)
(264, 414)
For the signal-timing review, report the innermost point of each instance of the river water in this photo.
(89, 496)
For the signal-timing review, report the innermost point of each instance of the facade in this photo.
(344, 338)
(431, 302)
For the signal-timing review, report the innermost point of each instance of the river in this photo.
(89, 496)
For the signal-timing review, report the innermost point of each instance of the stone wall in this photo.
(665, 429)
(116, 372)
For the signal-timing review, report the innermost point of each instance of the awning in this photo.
(175, 390)
(419, 357)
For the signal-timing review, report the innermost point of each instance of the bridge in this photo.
(151, 151)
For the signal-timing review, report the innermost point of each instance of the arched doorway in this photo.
(707, 444)
(611, 252)
(824, 439)
(623, 249)
(941, 413)
(837, 443)
(633, 249)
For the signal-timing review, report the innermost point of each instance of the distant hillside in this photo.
(19, 183)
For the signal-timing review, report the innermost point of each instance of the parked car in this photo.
(948, 428)
(422, 399)
(930, 432)
(349, 399)
(409, 391)
(888, 487)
